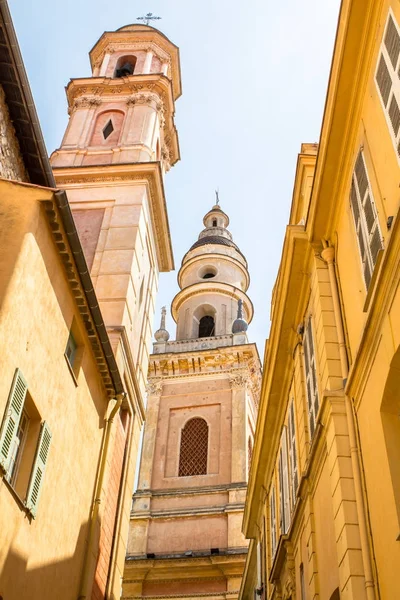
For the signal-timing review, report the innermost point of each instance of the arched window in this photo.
(194, 448)
(206, 326)
(125, 66)
(214, 222)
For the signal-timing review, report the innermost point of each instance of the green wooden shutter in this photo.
(39, 467)
(12, 417)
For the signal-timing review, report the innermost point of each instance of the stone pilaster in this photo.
(348, 546)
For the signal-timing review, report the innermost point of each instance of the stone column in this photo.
(164, 68)
(154, 390)
(147, 62)
(238, 382)
(105, 62)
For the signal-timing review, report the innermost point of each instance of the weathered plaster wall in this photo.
(11, 164)
(46, 554)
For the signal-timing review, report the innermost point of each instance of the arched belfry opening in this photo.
(204, 322)
(125, 66)
(206, 326)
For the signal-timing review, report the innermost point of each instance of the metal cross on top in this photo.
(147, 18)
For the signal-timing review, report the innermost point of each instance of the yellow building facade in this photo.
(323, 503)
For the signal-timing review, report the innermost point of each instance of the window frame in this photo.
(15, 410)
(284, 483)
(293, 458)
(273, 522)
(198, 417)
(311, 361)
(13, 469)
(360, 220)
(394, 91)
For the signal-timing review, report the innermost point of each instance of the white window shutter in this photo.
(12, 417)
(294, 473)
(39, 467)
(365, 218)
(284, 479)
(311, 377)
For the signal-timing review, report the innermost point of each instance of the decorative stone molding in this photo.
(145, 98)
(154, 387)
(84, 102)
(289, 588)
(239, 379)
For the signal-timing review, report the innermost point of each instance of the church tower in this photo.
(119, 143)
(185, 535)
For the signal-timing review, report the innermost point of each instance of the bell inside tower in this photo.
(206, 326)
(125, 66)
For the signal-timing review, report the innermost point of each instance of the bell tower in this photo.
(119, 143)
(185, 535)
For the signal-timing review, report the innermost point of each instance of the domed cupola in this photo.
(213, 278)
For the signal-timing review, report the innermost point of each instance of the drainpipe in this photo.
(328, 254)
(97, 500)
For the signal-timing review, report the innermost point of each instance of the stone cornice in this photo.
(192, 491)
(185, 513)
(74, 281)
(224, 289)
(149, 174)
(240, 365)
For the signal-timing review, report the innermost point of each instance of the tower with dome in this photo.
(185, 534)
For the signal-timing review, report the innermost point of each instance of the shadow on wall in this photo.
(56, 579)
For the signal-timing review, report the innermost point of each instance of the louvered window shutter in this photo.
(365, 219)
(387, 79)
(311, 377)
(12, 417)
(294, 475)
(273, 522)
(39, 467)
(284, 481)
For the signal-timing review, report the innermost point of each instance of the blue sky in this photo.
(254, 81)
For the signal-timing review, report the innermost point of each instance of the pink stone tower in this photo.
(185, 537)
(119, 143)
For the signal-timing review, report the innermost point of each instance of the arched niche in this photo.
(390, 411)
(107, 128)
